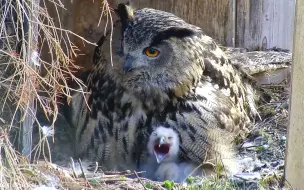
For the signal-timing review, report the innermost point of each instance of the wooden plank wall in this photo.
(81, 17)
(259, 24)
(213, 16)
(265, 23)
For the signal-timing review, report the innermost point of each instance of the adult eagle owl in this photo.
(165, 72)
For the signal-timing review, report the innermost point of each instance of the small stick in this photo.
(115, 180)
(140, 180)
(82, 171)
(118, 175)
(128, 172)
(96, 167)
(73, 167)
(117, 172)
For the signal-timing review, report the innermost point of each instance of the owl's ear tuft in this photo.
(125, 13)
(176, 32)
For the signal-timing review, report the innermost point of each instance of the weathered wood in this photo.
(265, 24)
(81, 17)
(294, 162)
(213, 16)
(84, 22)
(256, 24)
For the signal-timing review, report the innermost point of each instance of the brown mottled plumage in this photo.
(190, 87)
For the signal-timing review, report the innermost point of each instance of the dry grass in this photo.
(27, 29)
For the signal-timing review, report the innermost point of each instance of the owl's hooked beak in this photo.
(128, 64)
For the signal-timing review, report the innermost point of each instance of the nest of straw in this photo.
(28, 82)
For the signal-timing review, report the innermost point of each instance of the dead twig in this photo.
(73, 167)
(140, 180)
(96, 168)
(83, 174)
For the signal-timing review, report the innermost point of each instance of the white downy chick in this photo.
(168, 171)
(164, 146)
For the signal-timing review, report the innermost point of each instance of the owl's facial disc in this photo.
(154, 56)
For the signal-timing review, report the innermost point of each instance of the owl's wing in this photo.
(206, 121)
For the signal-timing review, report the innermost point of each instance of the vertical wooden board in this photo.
(294, 161)
(213, 16)
(265, 24)
(248, 26)
(277, 23)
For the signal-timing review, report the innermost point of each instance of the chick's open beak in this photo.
(161, 149)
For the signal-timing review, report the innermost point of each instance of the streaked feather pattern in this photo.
(195, 90)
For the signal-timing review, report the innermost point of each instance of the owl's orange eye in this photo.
(151, 52)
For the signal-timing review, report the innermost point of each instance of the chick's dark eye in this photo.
(151, 52)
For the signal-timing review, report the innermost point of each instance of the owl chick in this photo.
(163, 147)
